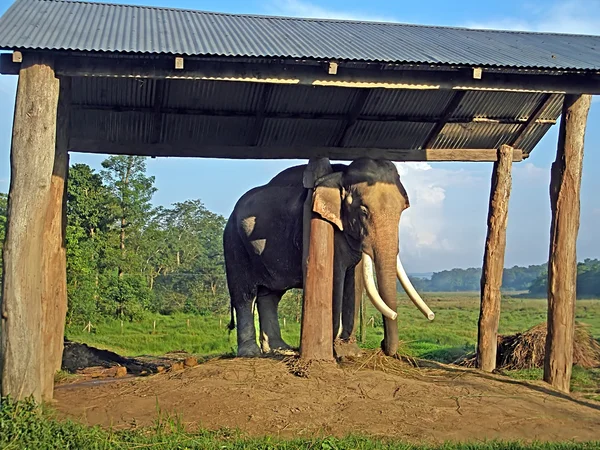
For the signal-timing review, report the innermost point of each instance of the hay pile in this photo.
(527, 350)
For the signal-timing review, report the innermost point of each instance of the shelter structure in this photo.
(121, 79)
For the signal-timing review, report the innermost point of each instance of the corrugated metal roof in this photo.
(80, 26)
(224, 113)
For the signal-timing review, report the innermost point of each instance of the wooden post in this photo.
(565, 186)
(493, 261)
(33, 147)
(316, 331)
(54, 256)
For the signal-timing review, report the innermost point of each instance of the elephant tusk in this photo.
(372, 289)
(411, 292)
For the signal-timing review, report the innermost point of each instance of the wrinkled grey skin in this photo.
(263, 247)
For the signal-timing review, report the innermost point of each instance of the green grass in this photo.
(23, 425)
(452, 333)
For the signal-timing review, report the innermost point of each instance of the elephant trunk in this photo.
(385, 267)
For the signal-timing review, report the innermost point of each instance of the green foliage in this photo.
(125, 258)
(24, 425)
(588, 280)
(533, 279)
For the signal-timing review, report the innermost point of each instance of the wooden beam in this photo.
(306, 116)
(306, 73)
(54, 255)
(8, 66)
(352, 117)
(159, 93)
(195, 150)
(441, 123)
(493, 261)
(533, 120)
(565, 185)
(260, 115)
(316, 333)
(32, 165)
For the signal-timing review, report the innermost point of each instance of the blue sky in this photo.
(446, 224)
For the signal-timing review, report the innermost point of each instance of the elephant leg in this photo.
(270, 332)
(246, 332)
(346, 344)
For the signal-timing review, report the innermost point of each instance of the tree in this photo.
(126, 179)
(89, 217)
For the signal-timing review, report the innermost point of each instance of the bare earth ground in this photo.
(372, 396)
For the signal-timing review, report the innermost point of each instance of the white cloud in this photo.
(570, 16)
(300, 8)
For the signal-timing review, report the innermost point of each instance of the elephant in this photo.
(263, 247)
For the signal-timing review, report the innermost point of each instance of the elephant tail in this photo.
(231, 325)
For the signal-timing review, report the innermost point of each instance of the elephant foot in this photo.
(248, 350)
(277, 346)
(346, 348)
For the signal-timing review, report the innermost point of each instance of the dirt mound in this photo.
(373, 395)
(527, 350)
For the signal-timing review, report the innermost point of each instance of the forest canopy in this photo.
(126, 257)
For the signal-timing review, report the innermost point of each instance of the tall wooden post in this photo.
(493, 261)
(54, 256)
(316, 334)
(565, 186)
(32, 164)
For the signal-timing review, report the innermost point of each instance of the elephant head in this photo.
(365, 201)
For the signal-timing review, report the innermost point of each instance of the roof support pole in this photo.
(493, 261)
(34, 232)
(565, 184)
(54, 254)
(316, 334)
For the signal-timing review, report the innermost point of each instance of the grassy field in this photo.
(452, 334)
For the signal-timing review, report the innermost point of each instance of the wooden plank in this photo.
(32, 164)
(450, 109)
(309, 73)
(493, 261)
(54, 256)
(196, 150)
(533, 120)
(199, 112)
(565, 185)
(316, 332)
(8, 66)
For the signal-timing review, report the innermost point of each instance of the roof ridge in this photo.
(311, 19)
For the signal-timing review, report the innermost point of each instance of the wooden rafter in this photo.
(450, 109)
(357, 107)
(532, 121)
(260, 115)
(195, 149)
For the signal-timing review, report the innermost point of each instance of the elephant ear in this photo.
(327, 198)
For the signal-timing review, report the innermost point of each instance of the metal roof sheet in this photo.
(201, 112)
(81, 26)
